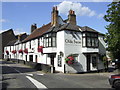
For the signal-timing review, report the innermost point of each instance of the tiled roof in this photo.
(23, 36)
(38, 32)
(86, 28)
(69, 26)
(48, 28)
(11, 43)
(8, 31)
(66, 26)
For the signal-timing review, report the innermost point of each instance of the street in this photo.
(21, 76)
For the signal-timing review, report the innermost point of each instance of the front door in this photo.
(36, 58)
(26, 58)
(52, 56)
(52, 59)
(88, 62)
(31, 58)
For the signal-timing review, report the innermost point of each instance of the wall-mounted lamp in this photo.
(61, 53)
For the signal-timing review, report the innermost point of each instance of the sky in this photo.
(20, 15)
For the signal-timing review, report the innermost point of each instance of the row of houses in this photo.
(61, 44)
(5, 40)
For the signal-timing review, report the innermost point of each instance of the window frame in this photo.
(48, 40)
(92, 36)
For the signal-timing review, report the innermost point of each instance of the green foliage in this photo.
(66, 59)
(69, 59)
(104, 59)
(113, 35)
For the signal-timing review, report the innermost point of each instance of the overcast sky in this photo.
(20, 15)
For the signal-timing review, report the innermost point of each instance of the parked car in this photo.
(114, 81)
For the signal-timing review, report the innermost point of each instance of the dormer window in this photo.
(90, 39)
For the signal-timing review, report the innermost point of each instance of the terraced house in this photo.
(61, 44)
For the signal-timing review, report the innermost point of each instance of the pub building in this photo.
(63, 45)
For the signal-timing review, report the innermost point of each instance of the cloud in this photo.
(80, 10)
(100, 15)
(2, 31)
(18, 31)
(100, 0)
(3, 20)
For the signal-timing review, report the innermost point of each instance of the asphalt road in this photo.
(21, 76)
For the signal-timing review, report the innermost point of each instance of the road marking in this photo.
(30, 74)
(14, 69)
(36, 83)
(17, 70)
(40, 74)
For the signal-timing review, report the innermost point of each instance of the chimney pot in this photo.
(55, 7)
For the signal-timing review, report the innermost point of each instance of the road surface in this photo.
(21, 76)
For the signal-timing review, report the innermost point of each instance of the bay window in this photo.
(84, 40)
(50, 40)
(90, 39)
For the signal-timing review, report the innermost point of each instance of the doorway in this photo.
(52, 56)
(31, 58)
(26, 58)
(88, 62)
(36, 58)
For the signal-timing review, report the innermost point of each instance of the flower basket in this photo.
(20, 51)
(26, 51)
(7, 52)
(40, 49)
(69, 60)
(14, 51)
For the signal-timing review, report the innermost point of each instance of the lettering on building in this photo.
(72, 41)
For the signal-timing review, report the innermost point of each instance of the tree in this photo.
(113, 35)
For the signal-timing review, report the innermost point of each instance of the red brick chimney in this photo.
(33, 27)
(72, 17)
(54, 17)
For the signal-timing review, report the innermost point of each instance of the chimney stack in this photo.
(54, 18)
(33, 27)
(19, 37)
(72, 17)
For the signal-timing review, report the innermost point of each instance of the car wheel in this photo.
(112, 87)
(117, 84)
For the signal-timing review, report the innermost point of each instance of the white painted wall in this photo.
(102, 50)
(73, 45)
(102, 45)
(68, 42)
(60, 48)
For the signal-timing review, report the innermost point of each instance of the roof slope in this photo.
(38, 32)
(86, 28)
(11, 43)
(48, 28)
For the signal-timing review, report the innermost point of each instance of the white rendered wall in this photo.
(102, 45)
(60, 48)
(73, 45)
